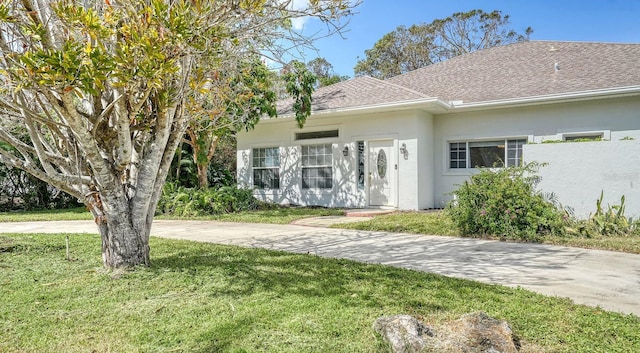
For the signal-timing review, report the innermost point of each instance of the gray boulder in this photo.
(472, 333)
(404, 333)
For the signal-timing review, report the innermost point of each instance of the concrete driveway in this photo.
(607, 279)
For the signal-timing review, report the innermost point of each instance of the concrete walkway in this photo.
(610, 280)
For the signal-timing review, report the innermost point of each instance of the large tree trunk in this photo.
(125, 239)
(123, 244)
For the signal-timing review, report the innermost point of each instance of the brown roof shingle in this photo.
(519, 70)
(356, 92)
(527, 69)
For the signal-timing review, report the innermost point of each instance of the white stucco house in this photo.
(408, 141)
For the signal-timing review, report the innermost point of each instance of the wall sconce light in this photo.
(403, 151)
(345, 151)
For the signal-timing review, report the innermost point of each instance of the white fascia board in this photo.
(431, 105)
(548, 99)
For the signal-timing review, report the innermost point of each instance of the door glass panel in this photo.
(382, 164)
(360, 164)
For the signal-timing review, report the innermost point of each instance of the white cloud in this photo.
(299, 22)
(299, 4)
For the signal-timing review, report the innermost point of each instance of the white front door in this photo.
(381, 173)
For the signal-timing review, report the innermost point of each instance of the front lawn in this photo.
(199, 297)
(277, 215)
(429, 222)
(67, 214)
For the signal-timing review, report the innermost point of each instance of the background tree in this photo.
(324, 72)
(101, 89)
(223, 167)
(408, 49)
(233, 99)
(397, 52)
(20, 190)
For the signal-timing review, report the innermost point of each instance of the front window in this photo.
(266, 168)
(317, 169)
(316, 135)
(583, 137)
(485, 154)
(458, 155)
(514, 152)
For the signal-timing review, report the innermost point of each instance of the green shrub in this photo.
(181, 201)
(504, 202)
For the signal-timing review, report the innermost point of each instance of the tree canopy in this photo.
(236, 98)
(324, 72)
(103, 92)
(233, 99)
(407, 49)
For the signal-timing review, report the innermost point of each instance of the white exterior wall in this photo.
(423, 178)
(411, 128)
(617, 118)
(578, 172)
(425, 162)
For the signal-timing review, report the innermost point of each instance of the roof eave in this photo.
(615, 92)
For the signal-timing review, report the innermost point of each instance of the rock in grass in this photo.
(472, 333)
(403, 333)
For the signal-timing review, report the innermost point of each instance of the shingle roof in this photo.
(357, 92)
(519, 70)
(527, 69)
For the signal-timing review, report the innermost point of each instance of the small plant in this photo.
(627, 138)
(504, 202)
(609, 222)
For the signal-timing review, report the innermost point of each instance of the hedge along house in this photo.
(408, 141)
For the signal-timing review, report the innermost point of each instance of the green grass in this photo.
(199, 297)
(628, 244)
(70, 214)
(438, 223)
(433, 223)
(280, 215)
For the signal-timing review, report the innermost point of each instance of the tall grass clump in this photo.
(504, 202)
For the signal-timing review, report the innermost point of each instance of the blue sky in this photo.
(571, 20)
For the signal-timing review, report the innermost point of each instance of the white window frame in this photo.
(562, 135)
(311, 163)
(467, 152)
(254, 168)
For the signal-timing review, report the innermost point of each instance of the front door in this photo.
(381, 173)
